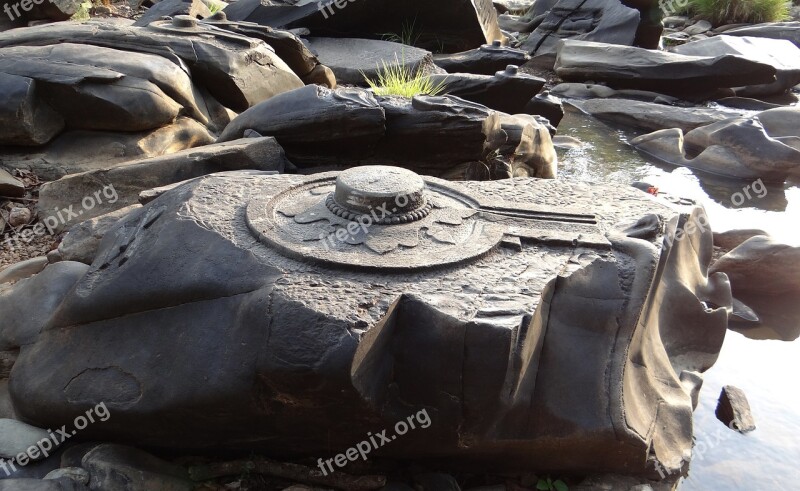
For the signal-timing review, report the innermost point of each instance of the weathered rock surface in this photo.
(670, 73)
(734, 410)
(248, 328)
(743, 147)
(547, 106)
(731, 239)
(28, 484)
(119, 468)
(650, 116)
(486, 60)
(572, 90)
(231, 67)
(81, 151)
(762, 265)
(83, 239)
(17, 437)
(26, 307)
(454, 24)
(353, 59)
(27, 119)
(130, 179)
(508, 90)
(782, 55)
(604, 21)
(10, 186)
(22, 270)
(789, 31)
(288, 46)
(171, 8)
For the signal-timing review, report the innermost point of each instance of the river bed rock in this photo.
(741, 147)
(781, 54)
(669, 73)
(762, 265)
(322, 338)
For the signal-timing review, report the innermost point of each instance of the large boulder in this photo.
(353, 60)
(742, 147)
(604, 21)
(789, 31)
(508, 91)
(453, 25)
(486, 60)
(781, 54)
(28, 120)
(80, 150)
(439, 136)
(762, 265)
(649, 116)
(232, 68)
(285, 334)
(630, 67)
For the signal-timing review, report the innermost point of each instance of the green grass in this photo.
(400, 79)
(720, 12)
(408, 35)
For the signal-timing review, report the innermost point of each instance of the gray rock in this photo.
(287, 45)
(249, 330)
(128, 180)
(17, 438)
(486, 60)
(452, 24)
(353, 59)
(19, 216)
(78, 151)
(27, 119)
(171, 8)
(762, 265)
(22, 270)
(670, 73)
(6, 405)
(83, 239)
(734, 410)
(319, 127)
(529, 149)
(604, 21)
(10, 187)
(731, 239)
(699, 27)
(121, 468)
(76, 474)
(547, 106)
(746, 103)
(508, 91)
(789, 31)
(782, 124)
(649, 116)
(28, 484)
(27, 305)
(782, 55)
(594, 91)
(231, 67)
(737, 147)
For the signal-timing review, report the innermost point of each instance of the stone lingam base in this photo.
(540, 324)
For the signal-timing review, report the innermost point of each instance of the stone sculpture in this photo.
(541, 325)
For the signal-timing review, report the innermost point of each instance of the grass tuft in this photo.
(400, 79)
(720, 12)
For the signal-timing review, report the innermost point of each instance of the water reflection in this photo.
(757, 359)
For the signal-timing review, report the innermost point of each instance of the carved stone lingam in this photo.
(543, 325)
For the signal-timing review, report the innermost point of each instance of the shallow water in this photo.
(769, 457)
